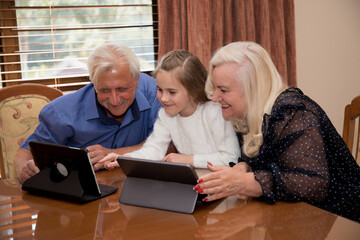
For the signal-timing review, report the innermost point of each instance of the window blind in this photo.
(49, 41)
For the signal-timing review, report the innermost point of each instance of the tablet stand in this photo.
(173, 196)
(157, 184)
(51, 182)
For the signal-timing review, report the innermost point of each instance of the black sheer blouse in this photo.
(303, 158)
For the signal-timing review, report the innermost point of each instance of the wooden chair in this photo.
(19, 109)
(351, 130)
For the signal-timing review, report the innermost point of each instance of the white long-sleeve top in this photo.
(205, 134)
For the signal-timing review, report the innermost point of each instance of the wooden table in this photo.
(27, 216)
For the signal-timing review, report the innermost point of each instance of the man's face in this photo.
(116, 90)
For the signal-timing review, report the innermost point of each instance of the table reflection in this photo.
(27, 216)
(251, 219)
(62, 220)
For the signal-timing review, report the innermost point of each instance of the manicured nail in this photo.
(200, 191)
(196, 187)
(200, 180)
(209, 163)
(205, 199)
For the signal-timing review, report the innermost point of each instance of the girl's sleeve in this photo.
(227, 145)
(157, 143)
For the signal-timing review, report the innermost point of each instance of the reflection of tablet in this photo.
(156, 184)
(65, 172)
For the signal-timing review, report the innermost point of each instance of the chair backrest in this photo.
(351, 130)
(19, 110)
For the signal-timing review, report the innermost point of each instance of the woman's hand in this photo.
(226, 181)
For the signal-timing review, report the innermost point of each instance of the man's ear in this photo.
(137, 82)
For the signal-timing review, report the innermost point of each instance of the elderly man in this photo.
(114, 113)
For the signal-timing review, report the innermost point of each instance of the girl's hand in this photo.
(178, 158)
(109, 162)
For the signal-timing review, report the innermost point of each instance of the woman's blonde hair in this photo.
(188, 69)
(261, 84)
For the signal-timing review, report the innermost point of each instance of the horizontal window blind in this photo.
(49, 41)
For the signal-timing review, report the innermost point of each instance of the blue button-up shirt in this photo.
(78, 120)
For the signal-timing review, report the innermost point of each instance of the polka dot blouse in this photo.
(303, 158)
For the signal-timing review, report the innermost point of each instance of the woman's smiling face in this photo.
(228, 91)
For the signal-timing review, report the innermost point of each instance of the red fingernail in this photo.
(209, 163)
(196, 187)
(205, 199)
(200, 180)
(200, 191)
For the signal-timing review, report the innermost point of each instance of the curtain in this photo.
(202, 26)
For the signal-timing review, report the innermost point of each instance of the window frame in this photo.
(11, 44)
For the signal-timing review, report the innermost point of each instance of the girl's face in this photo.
(173, 96)
(228, 91)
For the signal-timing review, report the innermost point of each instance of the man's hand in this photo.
(24, 165)
(97, 152)
(28, 170)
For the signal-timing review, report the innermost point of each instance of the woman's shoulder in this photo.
(293, 97)
(294, 100)
(290, 95)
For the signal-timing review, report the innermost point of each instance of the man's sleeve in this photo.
(50, 129)
(148, 86)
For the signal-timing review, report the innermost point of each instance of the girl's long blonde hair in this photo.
(261, 84)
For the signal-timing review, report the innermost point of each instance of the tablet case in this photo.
(160, 185)
(65, 172)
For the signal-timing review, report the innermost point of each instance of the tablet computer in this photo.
(157, 184)
(65, 172)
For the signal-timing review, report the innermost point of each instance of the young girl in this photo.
(194, 124)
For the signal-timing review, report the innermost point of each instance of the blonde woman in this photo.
(290, 149)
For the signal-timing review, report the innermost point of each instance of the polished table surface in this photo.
(27, 216)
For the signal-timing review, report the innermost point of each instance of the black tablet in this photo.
(158, 170)
(157, 184)
(64, 172)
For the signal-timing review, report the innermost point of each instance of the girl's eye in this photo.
(172, 92)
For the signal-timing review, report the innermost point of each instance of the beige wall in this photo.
(328, 53)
